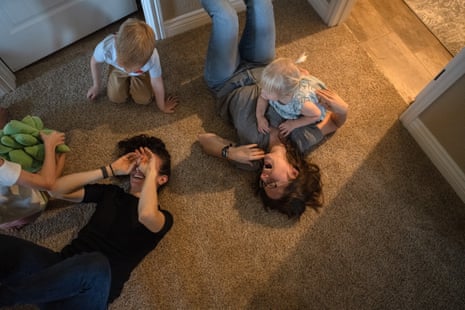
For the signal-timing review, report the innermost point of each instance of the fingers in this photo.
(264, 129)
(170, 104)
(54, 137)
(170, 107)
(255, 152)
(172, 98)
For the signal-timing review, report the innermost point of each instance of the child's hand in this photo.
(170, 104)
(52, 139)
(92, 93)
(285, 128)
(262, 125)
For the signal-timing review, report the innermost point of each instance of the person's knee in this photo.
(142, 99)
(117, 97)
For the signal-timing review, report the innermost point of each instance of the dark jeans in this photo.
(32, 274)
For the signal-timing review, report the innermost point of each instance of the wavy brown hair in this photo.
(302, 192)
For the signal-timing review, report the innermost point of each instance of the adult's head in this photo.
(157, 147)
(288, 183)
(135, 42)
(280, 80)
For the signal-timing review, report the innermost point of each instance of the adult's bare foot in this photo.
(4, 117)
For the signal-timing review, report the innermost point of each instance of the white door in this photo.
(442, 93)
(33, 29)
(333, 12)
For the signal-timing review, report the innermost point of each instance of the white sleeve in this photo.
(9, 173)
(99, 53)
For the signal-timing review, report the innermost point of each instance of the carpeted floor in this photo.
(445, 19)
(390, 234)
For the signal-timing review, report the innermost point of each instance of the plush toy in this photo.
(20, 142)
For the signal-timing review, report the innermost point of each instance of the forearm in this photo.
(213, 144)
(68, 186)
(47, 175)
(158, 89)
(149, 214)
(96, 69)
(339, 118)
(216, 146)
(262, 104)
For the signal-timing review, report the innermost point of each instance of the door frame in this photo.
(333, 13)
(153, 15)
(410, 118)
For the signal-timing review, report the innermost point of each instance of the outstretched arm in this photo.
(71, 187)
(213, 145)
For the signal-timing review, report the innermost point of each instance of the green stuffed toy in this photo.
(20, 142)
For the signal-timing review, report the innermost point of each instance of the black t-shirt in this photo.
(115, 231)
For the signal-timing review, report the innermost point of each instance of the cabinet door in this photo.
(33, 29)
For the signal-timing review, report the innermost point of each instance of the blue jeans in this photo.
(225, 53)
(31, 274)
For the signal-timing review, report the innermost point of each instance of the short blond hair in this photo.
(135, 42)
(281, 77)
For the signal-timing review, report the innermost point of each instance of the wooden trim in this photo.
(154, 17)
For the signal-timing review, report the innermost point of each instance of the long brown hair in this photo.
(302, 192)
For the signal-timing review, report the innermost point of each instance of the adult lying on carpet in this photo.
(288, 183)
(90, 272)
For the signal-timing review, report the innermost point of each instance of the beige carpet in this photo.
(445, 19)
(390, 235)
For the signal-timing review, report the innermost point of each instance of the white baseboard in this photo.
(193, 20)
(439, 156)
